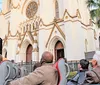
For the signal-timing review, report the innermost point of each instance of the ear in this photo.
(79, 66)
(96, 63)
(42, 61)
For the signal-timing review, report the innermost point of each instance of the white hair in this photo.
(97, 57)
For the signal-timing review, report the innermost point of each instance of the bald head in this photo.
(47, 57)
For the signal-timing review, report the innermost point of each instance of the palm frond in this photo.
(94, 6)
(93, 13)
(98, 23)
(91, 3)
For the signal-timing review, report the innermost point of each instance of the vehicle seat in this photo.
(62, 68)
(6, 72)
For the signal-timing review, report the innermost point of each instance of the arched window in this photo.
(9, 5)
(56, 9)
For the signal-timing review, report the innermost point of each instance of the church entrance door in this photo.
(29, 53)
(59, 50)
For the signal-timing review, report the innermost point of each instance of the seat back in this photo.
(62, 68)
(10, 71)
(6, 72)
(16, 71)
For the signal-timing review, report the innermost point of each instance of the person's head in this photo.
(84, 64)
(12, 61)
(1, 59)
(97, 57)
(94, 63)
(47, 57)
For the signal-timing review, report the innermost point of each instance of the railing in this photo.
(73, 65)
(28, 65)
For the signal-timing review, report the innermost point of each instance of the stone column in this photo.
(35, 54)
(11, 49)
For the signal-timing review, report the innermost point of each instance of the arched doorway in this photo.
(29, 53)
(25, 54)
(59, 50)
(4, 53)
(99, 42)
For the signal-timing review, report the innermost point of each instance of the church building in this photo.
(30, 27)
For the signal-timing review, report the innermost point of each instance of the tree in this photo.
(94, 7)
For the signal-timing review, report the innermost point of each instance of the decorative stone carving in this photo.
(31, 9)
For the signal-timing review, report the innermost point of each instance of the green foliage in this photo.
(94, 7)
(71, 75)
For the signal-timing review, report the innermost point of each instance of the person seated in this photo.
(93, 76)
(79, 78)
(5, 59)
(44, 75)
(12, 61)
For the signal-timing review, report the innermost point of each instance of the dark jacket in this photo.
(79, 78)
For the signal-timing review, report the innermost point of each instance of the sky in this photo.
(0, 4)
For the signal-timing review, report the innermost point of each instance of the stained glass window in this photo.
(31, 9)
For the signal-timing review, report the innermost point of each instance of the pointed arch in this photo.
(26, 51)
(53, 45)
(59, 50)
(29, 53)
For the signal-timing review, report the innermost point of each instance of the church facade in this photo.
(30, 27)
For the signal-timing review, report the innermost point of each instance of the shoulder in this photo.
(89, 73)
(46, 67)
(97, 68)
(76, 77)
